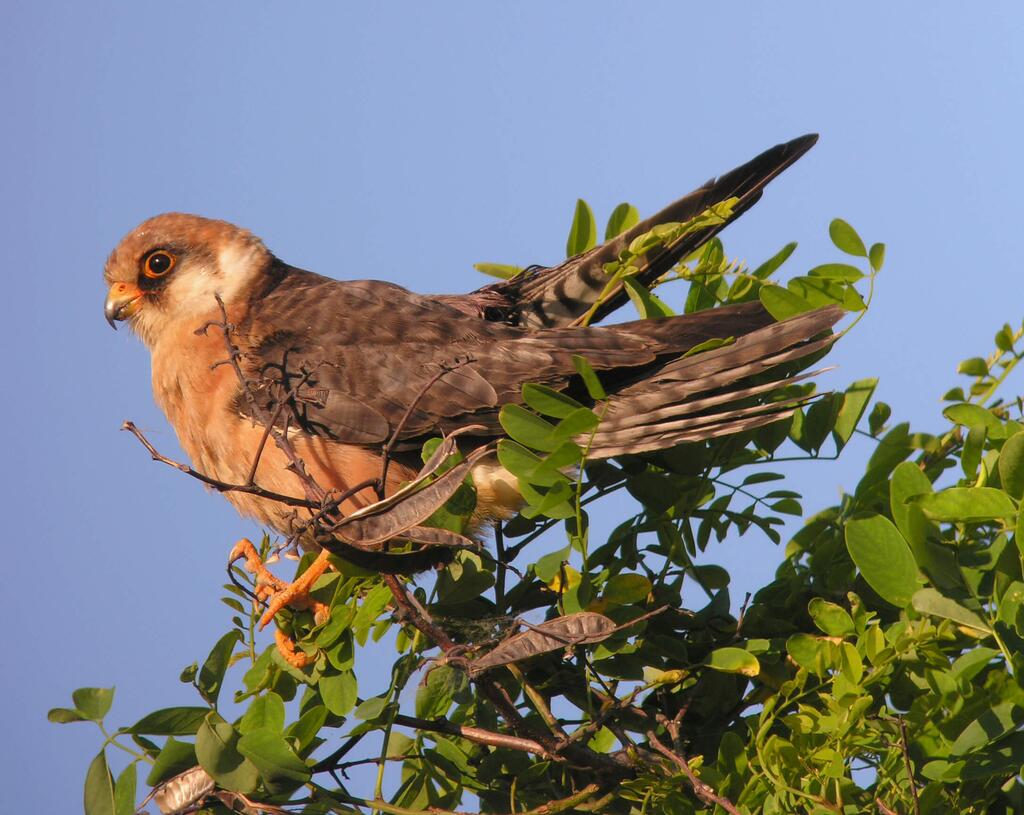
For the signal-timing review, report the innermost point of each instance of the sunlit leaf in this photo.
(734, 660)
(884, 559)
(583, 232)
(623, 217)
(846, 239)
(967, 505)
(93, 703)
(782, 303)
(930, 601)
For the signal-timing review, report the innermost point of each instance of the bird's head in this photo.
(170, 269)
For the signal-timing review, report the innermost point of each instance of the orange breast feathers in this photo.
(197, 395)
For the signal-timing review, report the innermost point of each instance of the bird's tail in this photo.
(727, 390)
(561, 295)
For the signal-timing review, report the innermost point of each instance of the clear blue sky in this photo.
(407, 141)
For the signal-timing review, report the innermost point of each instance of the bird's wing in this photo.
(561, 295)
(359, 355)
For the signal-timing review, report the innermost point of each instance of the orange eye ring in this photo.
(158, 264)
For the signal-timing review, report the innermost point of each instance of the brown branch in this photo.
(217, 484)
(701, 789)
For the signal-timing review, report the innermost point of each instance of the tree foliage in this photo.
(566, 669)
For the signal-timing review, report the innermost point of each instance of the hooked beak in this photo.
(122, 302)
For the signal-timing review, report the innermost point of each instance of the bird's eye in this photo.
(158, 264)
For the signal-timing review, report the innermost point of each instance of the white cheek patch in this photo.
(230, 276)
(239, 264)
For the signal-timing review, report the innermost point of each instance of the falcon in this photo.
(368, 364)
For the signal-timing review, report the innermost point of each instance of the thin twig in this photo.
(883, 809)
(906, 761)
(701, 789)
(217, 484)
(281, 404)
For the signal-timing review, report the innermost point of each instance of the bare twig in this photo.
(700, 788)
(217, 484)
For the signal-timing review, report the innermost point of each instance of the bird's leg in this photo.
(278, 594)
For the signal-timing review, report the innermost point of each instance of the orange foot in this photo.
(281, 594)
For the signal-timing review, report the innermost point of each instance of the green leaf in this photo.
(837, 271)
(175, 757)
(99, 787)
(64, 715)
(369, 610)
(846, 239)
(988, 727)
(970, 415)
(265, 712)
(623, 217)
(548, 401)
(734, 660)
(851, 665)
(782, 303)
(876, 256)
(124, 791)
(975, 366)
(583, 232)
(855, 402)
(93, 703)
(708, 345)
(974, 448)
(371, 708)
(646, 302)
(879, 415)
(812, 653)
(170, 721)
(1011, 465)
(549, 565)
(218, 754)
(769, 267)
(211, 675)
(527, 428)
(586, 372)
(434, 697)
(970, 664)
(275, 760)
(907, 482)
(503, 271)
(967, 505)
(307, 727)
(578, 423)
(832, 619)
(623, 589)
(884, 559)
(930, 601)
(339, 692)
(526, 465)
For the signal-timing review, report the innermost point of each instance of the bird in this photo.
(368, 364)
